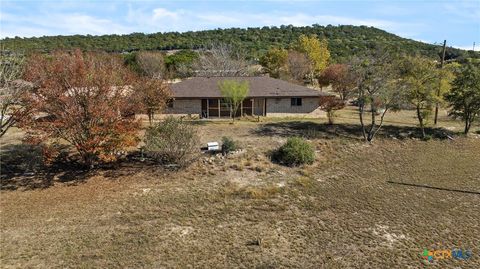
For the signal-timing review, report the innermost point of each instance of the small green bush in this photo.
(172, 142)
(228, 145)
(295, 152)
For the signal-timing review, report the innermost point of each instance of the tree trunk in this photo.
(343, 94)
(381, 122)
(6, 125)
(88, 159)
(150, 117)
(330, 117)
(360, 112)
(420, 120)
(468, 123)
(372, 126)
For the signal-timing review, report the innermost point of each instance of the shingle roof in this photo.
(207, 87)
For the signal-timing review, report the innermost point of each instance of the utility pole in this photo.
(438, 91)
(473, 46)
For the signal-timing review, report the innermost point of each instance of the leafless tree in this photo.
(221, 60)
(11, 91)
(298, 65)
(151, 64)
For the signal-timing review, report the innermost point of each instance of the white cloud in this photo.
(160, 13)
(468, 47)
(53, 24)
(301, 19)
(78, 23)
(23, 31)
(218, 18)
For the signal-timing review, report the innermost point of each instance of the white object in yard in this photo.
(212, 146)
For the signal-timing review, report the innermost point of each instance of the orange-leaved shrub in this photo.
(83, 99)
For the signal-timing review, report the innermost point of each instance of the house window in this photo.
(296, 101)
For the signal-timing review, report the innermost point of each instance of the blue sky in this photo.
(426, 20)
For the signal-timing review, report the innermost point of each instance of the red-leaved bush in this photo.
(331, 104)
(84, 99)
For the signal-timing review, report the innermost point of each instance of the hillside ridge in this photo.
(344, 40)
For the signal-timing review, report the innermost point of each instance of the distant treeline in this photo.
(344, 41)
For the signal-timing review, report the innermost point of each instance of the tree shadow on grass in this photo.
(313, 130)
(130, 165)
(22, 167)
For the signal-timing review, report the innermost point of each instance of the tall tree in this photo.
(298, 66)
(151, 64)
(85, 99)
(316, 51)
(421, 79)
(274, 61)
(180, 63)
(153, 95)
(377, 90)
(234, 92)
(464, 98)
(341, 79)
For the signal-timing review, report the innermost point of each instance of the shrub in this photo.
(83, 102)
(295, 152)
(172, 142)
(228, 145)
(331, 104)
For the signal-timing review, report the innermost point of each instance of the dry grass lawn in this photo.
(246, 212)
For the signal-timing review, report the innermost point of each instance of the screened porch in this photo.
(219, 108)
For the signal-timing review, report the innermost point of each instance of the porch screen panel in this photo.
(247, 105)
(212, 107)
(224, 109)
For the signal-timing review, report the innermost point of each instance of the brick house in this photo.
(267, 97)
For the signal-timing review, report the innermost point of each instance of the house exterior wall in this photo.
(185, 107)
(283, 106)
(275, 107)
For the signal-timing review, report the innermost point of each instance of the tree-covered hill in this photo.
(344, 41)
